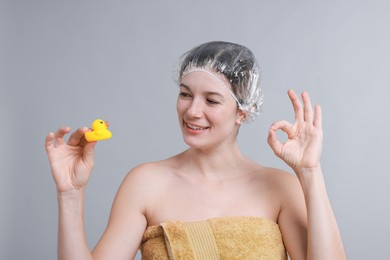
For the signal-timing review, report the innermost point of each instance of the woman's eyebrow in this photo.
(214, 93)
(184, 86)
(207, 92)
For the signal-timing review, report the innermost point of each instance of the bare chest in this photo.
(192, 201)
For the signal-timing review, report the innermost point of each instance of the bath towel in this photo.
(218, 238)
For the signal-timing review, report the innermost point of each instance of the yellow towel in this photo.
(218, 238)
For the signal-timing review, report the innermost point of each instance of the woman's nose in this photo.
(195, 109)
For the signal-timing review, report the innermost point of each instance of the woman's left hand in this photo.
(302, 149)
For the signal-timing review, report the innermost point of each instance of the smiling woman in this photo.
(234, 67)
(210, 201)
(207, 112)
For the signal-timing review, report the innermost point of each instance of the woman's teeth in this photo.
(196, 127)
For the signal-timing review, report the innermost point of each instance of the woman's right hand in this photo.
(72, 162)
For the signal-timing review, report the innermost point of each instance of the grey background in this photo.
(69, 62)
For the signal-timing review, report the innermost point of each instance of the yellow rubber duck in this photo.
(99, 131)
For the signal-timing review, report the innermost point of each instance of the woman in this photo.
(210, 201)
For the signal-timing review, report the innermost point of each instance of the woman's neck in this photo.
(215, 164)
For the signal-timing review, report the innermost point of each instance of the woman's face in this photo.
(208, 114)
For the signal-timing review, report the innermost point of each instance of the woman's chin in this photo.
(196, 144)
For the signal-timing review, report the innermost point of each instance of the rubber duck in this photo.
(99, 131)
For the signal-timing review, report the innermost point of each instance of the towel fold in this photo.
(218, 238)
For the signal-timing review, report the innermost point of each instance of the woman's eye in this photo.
(184, 94)
(212, 102)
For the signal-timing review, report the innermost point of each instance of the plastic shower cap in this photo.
(234, 62)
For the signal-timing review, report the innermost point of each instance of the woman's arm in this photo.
(72, 243)
(324, 239)
(123, 234)
(315, 234)
(71, 165)
(127, 222)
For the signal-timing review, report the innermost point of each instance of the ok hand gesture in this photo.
(302, 150)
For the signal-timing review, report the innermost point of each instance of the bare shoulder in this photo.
(148, 177)
(292, 218)
(280, 186)
(128, 218)
(278, 178)
(152, 169)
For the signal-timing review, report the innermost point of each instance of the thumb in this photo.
(274, 142)
(89, 152)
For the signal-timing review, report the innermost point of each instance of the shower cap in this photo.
(231, 61)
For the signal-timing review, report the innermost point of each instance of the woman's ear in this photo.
(241, 116)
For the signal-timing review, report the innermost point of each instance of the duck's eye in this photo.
(101, 122)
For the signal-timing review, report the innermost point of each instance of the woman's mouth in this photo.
(196, 127)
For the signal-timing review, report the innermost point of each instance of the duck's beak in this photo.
(107, 124)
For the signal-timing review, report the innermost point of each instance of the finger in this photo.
(308, 110)
(59, 135)
(89, 151)
(283, 125)
(274, 142)
(298, 110)
(76, 137)
(318, 116)
(49, 141)
(83, 141)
